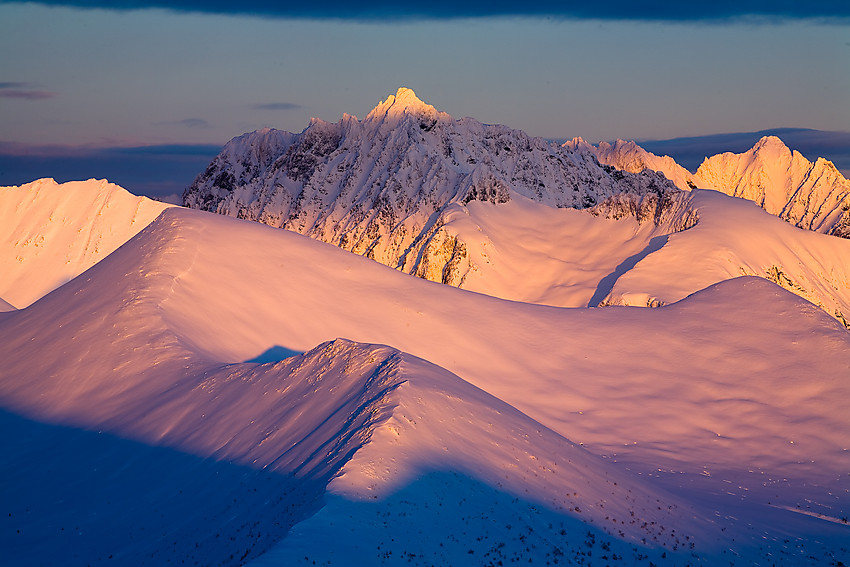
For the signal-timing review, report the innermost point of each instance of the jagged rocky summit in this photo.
(811, 195)
(382, 186)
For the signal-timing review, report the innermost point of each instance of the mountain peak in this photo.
(404, 101)
(770, 142)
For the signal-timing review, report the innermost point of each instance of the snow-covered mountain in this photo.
(520, 250)
(380, 187)
(814, 196)
(489, 209)
(810, 195)
(628, 156)
(706, 430)
(733, 237)
(50, 232)
(178, 386)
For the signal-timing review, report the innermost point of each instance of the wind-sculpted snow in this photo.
(51, 232)
(105, 353)
(97, 356)
(380, 187)
(283, 429)
(731, 398)
(473, 466)
(814, 196)
(734, 238)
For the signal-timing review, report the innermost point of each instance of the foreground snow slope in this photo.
(733, 398)
(457, 477)
(102, 354)
(558, 366)
(51, 232)
(303, 292)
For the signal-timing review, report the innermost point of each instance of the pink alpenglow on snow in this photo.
(591, 368)
(158, 328)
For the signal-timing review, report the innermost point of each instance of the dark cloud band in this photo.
(658, 10)
(689, 152)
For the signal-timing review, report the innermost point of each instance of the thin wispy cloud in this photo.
(19, 90)
(27, 95)
(658, 10)
(277, 106)
(187, 122)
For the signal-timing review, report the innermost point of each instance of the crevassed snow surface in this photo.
(713, 419)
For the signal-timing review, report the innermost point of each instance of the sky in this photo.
(99, 87)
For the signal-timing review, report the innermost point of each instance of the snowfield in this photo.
(720, 410)
(184, 387)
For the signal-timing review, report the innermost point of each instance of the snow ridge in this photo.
(52, 232)
(380, 187)
(146, 346)
(813, 196)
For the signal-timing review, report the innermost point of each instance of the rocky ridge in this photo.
(380, 186)
(810, 195)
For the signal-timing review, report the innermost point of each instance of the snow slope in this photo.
(51, 232)
(732, 398)
(99, 355)
(733, 238)
(380, 187)
(814, 196)
(525, 251)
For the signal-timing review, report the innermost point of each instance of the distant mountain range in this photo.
(814, 196)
